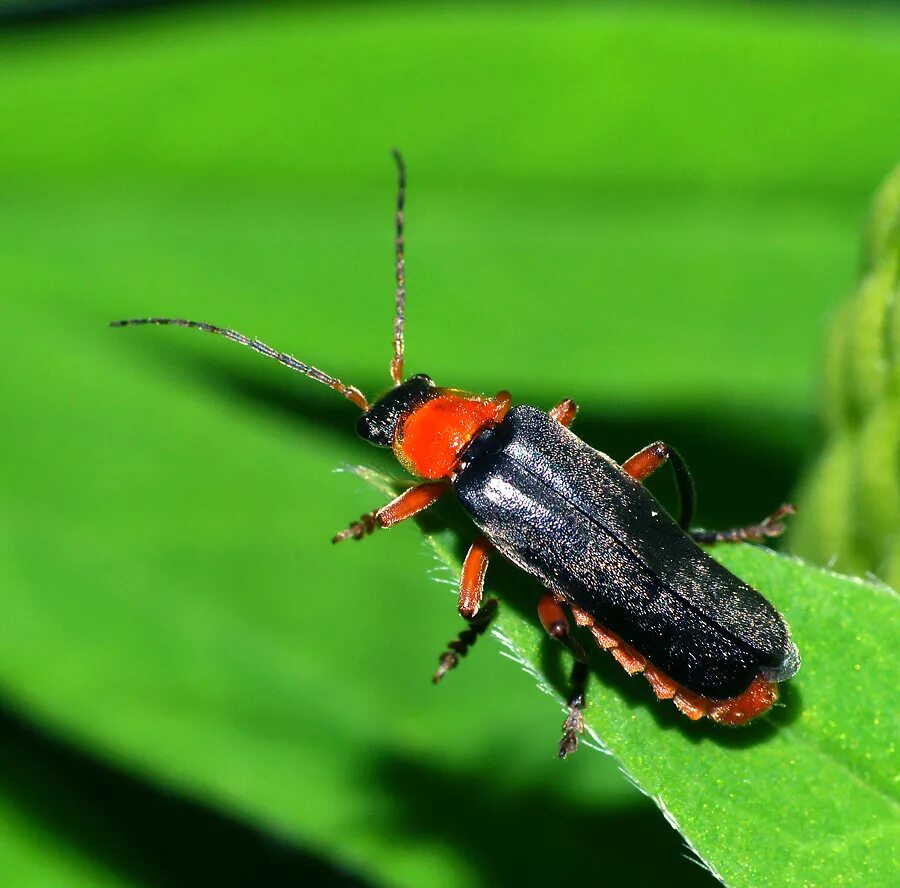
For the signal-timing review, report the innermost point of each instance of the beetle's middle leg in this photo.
(553, 619)
(409, 503)
(471, 588)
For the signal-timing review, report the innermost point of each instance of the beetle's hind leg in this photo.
(645, 462)
(409, 503)
(769, 527)
(553, 619)
(471, 588)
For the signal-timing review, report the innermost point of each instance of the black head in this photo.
(379, 423)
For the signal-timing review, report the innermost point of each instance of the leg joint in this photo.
(660, 450)
(558, 629)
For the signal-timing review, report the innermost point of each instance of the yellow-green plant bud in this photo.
(849, 502)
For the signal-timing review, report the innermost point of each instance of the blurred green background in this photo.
(653, 211)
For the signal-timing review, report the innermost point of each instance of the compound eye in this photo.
(375, 430)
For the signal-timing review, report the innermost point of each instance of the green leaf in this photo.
(69, 818)
(805, 795)
(33, 856)
(648, 211)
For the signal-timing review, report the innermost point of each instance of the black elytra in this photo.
(570, 516)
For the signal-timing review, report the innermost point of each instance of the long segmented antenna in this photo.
(400, 309)
(348, 391)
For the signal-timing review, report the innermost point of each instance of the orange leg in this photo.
(645, 462)
(471, 587)
(553, 619)
(564, 412)
(471, 581)
(503, 399)
(409, 503)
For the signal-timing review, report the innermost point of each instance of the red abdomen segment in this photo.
(756, 700)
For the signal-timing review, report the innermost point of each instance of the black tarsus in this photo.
(573, 726)
(358, 529)
(460, 646)
(769, 527)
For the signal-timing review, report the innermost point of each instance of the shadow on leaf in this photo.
(147, 834)
(512, 835)
(744, 463)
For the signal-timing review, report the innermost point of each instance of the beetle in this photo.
(584, 525)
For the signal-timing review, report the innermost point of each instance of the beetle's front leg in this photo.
(471, 588)
(553, 619)
(409, 503)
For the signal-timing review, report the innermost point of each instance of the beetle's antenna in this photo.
(400, 309)
(348, 391)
